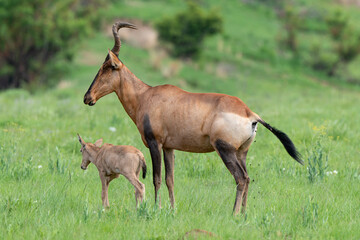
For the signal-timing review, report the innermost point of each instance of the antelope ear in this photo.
(98, 142)
(81, 140)
(115, 62)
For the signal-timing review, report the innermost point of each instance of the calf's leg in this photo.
(104, 191)
(169, 173)
(107, 181)
(107, 193)
(139, 188)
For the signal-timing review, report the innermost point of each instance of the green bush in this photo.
(346, 40)
(32, 33)
(321, 58)
(317, 162)
(290, 20)
(336, 23)
(187, 30)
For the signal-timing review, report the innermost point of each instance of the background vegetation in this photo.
(36, 36)
(186, 30)
(45, 195)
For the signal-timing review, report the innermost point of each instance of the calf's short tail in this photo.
(143, 166)
(285, 140)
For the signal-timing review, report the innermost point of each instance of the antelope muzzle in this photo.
(88, 100)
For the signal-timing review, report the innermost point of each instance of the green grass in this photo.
(45, 195)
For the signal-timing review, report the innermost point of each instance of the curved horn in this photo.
(115, 29)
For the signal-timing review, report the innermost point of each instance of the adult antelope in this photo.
(169, 118)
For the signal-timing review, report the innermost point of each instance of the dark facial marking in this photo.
(92, 84)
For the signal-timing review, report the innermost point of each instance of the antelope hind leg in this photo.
(228, 155)
(241, 157)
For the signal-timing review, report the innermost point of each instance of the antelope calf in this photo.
(111, 161)
(169, 118)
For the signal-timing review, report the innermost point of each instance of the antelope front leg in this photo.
(104, 191)
(169, 173)
(156, 162)
(154, 147)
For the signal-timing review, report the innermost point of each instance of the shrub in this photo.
(318, 163)
(336, 24)
(291, 25)
(32, 33)
(320, 58)
(187, 30)
(346, 40)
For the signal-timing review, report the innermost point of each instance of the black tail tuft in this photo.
(143, 169)
(285, 140)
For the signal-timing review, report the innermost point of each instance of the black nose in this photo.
(83, 168)
(87, 98)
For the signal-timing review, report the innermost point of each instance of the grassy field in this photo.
(45, 195)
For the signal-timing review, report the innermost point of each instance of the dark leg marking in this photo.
(241, 156)
(228, 155)
(155, 155)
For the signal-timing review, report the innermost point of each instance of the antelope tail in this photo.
(285, 140)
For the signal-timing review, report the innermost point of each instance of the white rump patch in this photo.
(232, 128)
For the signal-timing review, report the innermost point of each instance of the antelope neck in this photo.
(129, 91)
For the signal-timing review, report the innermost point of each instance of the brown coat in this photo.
(169, 118)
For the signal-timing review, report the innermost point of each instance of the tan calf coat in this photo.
(112, 161)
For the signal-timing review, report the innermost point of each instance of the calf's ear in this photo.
(81, 140)
(98, 142)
